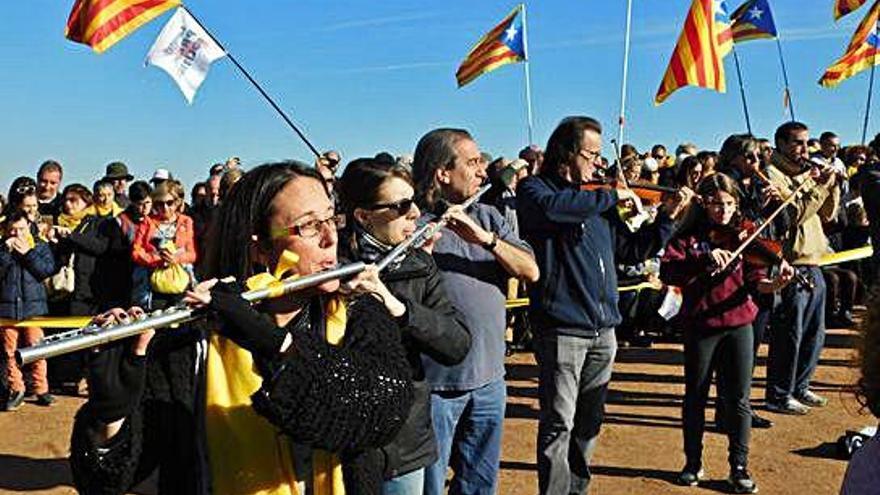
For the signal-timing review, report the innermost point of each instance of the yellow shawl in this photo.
(248, 455)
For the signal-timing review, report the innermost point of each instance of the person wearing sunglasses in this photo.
(377, 197)
(166, 238)
(23, 196)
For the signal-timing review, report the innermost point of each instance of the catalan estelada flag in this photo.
(862, 53)
(698, 58)
(503, 45)
(752, 20)
(843, 7)
(101, 23)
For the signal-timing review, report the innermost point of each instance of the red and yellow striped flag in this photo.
(101, 23)
(698, 59)
(862, 53)
(843, 7)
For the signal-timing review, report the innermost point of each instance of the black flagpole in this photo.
(257, 85)
(742, 91)
(785, 79)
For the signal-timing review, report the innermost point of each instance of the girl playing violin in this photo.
(718, 312)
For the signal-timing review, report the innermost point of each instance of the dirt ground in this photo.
(639, 450)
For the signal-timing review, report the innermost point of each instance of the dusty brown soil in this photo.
(639, 450)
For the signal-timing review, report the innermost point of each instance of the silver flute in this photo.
(94, 335)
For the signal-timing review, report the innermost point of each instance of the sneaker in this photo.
(788, 406)
(741, 481)
(690, 475)
(812, 399)
(15, 400)
(761, 423)
(45, 400)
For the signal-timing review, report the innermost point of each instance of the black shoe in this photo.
(845, 318)
(15, 400)
(45, 400)
(741, 481)
(761, 423)
(691, 475)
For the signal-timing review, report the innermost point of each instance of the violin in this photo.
(761, 251)
(649, 193)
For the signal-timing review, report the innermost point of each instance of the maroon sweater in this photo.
(719, 301)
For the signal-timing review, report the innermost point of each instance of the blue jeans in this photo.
(468, 427)
(412, 483)
(796, 343)
(574, 373)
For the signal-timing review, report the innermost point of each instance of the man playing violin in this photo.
(578, 240)
(796, 346)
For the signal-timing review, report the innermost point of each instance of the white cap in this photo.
(650, 164)
(161, 174)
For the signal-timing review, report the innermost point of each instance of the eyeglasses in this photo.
(309, 228)
(402, 207)
(589, 155)
(751, 157)
(26, 190)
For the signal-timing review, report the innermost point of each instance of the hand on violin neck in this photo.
(676, 203)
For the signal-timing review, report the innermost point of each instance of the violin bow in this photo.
(754, 235)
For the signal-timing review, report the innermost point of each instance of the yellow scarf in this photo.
(248, 455)
(72, 220)
(112, 211)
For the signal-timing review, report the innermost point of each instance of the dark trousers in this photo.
(796, 343)
(842, 285)
(731, 352)
(573, 382)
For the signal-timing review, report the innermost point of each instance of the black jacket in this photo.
(867, 180)
(345, 399)
(102, 265)
(578, 240)
(431, 326)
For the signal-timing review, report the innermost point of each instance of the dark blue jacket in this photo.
(22, 293)
(578, 240)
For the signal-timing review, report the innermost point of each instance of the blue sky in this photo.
(368, 76)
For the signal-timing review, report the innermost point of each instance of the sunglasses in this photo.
(26, 190)
(402, 207)
(167, 203)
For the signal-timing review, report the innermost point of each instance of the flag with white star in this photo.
(753, 20)
(503, 45)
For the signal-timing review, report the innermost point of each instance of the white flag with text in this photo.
(185, 51)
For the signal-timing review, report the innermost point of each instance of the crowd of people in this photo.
(382, 382)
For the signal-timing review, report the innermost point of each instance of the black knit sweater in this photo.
(345, 399)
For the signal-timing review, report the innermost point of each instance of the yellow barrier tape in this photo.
(48, 322)
(844, 256)
(524, 301)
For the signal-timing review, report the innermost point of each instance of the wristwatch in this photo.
(490, 246)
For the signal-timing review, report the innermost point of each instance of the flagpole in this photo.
(870, 90)
(527, 74)
(742, 91)
(265, 95)
(785, 78)
(621, 120)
